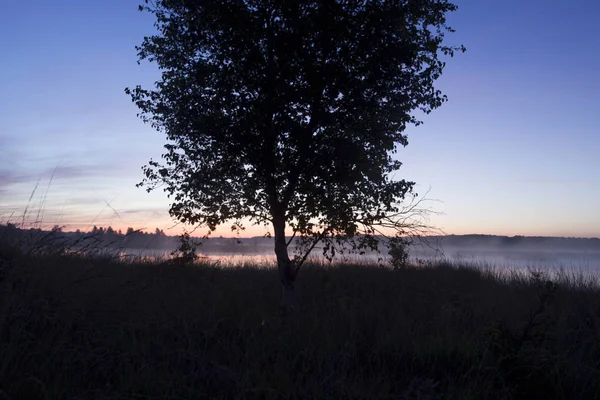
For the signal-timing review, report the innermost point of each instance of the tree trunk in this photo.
(287, 273)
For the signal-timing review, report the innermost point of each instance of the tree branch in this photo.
(314, 244)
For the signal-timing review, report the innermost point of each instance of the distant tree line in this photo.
(101, 237)
(109, 238)
(519, 241)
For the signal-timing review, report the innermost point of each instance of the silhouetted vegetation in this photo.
(78, 327)
(100, 239)
(288, 114)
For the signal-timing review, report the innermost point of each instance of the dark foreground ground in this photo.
(94, 329)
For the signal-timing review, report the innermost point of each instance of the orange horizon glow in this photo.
(260, 231)
(149, 216)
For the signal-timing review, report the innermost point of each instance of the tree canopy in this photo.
(289, 112)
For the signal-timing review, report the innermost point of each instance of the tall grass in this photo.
(88, 328)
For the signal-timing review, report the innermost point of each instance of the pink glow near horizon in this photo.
(171, 228)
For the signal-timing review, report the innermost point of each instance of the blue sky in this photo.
(515, 150)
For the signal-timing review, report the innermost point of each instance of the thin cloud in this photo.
(84, 201)
(154, 212)
(12, 177)
(77, 171)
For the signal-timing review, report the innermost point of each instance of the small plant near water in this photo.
(186, 252)
(398, 251)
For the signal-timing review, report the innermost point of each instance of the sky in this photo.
(514, 151)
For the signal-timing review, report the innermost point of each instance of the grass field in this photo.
(76, 328)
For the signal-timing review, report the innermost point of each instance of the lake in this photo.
(571, 261)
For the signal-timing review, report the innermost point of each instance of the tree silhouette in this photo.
(288, 113)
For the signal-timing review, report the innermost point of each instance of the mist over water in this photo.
(573, 256)
(503, 260)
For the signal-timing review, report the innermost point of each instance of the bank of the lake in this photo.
(79, 328)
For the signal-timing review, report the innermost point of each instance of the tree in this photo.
(288, 113)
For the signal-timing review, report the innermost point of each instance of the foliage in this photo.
(525, 357)
(73, 328)
(186, 252)
(291, 112)
(398, 251)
